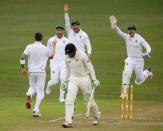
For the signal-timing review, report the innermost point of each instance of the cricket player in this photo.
(57, 64)
(134, 62)
(76, 35)
(80, 74)
(37, 55)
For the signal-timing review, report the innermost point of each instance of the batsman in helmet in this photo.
(80, 75)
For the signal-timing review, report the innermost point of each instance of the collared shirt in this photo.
(59, 56)
(79, 66)
(80, 39)
(134, 45)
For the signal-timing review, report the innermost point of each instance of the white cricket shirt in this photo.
(80, 39)
(79, 66)
(59, 56)
(37, 57)
(134, 45)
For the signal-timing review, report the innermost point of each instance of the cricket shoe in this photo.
(36, 114)
(67, 125)
(150, 75)
(97, 119)
(28, 102)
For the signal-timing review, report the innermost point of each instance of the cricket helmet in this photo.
(70, 50)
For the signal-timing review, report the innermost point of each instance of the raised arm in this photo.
(67, 18)
(52, 52)
(113, 21)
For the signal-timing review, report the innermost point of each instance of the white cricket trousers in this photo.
(136, 65)
(84, 83)
(36, 85)
(58, 74)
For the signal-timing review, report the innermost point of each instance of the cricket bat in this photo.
(90, 102)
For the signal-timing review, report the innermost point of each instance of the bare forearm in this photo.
(22, 60)
(52, 53)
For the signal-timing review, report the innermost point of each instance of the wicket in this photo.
(127, 103)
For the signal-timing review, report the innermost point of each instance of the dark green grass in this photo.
(20, 19)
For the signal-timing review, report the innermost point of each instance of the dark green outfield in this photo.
(20, 19)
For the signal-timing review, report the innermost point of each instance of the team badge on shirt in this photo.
(136, 41)
(63, 41)
(80, 36)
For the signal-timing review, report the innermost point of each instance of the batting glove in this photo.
(113, 21)
(96, 83)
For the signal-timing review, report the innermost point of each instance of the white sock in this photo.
(69, 111)
(39, 98)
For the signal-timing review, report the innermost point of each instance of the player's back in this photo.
(37, 57)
